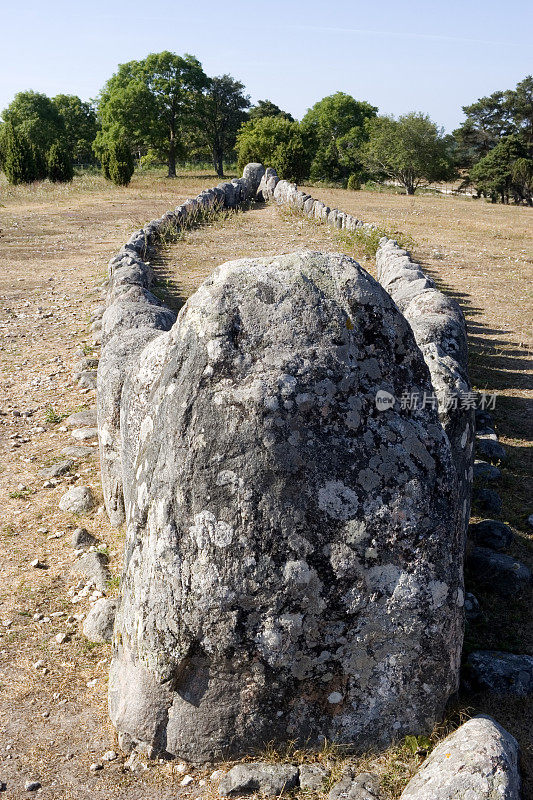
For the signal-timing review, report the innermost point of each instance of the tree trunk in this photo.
(172, 156)
(409, 189)
(217, 161)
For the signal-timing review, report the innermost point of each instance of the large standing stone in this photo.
(478, 761)
(293, 562)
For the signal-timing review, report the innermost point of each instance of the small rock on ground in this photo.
(83, 434)
(79, 452)
(32, 786)
(81, 538)
(98, 625)
(92, 565)
(479, 761)
(82, 419)
(491, 533)
(57, 469)
(270, 779)
(312, 776)
(502, 673)
(363, 786)
(77, 500)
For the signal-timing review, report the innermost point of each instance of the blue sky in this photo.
(401, 56)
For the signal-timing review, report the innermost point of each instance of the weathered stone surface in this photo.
(364, 786)
(293, 562)
(57, 469)
(312, 776)
(98, 625)
(269, 779)
(503, 673)
(253, 175)
(472, 607)
(486, 472)
(492, 534)
(440, 331)
(92, 566)
(84, 434)
(490, 448)
(502, 572)
(77, 500)
(79, 452)
(82, 419)
(81, 538)
(478, 761)
(487, 500)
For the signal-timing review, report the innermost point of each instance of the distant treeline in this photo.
(166, 109)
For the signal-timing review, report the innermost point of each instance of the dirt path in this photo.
(54, 247)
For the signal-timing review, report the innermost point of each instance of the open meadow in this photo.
(55, 242)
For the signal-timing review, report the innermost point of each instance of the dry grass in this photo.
(56, 242)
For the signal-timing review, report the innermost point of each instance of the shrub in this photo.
(121, 165)
(104, 163)
(353, 182)
(60, 169)
(290, 160)
(17, 156)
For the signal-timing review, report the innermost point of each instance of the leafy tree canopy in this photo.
(221, 112)
(259, 139)
(81, 126)
(151, 103)
(489, 119)
(266, 108)
(336, 128)
(410, 149)
(35, 116)
(505, 171)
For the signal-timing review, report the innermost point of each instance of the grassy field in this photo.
(55, 243)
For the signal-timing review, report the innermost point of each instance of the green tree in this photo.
(335, 127)
(60, 169)
(266, 108)
(151, 104)
(221, 114)
(37, 118)
(504, 172)
(17, 157)
(271, 139)
(410, 149)
(489, 119)
(119, 163)
(81, 126)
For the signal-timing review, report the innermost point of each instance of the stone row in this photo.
(134, 315)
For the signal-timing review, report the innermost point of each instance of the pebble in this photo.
(109, 756)
(61, 638)
(92, 683)
(96, 767)
(32, 786)
(188, 779)
(36, 564)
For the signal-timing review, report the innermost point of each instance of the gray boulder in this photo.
(79, 452)
(98, 625)
(57, 469)
(364, 786)
(81, 538)
(479, 761)
(487, 500)
(82, 419)
(502, 673)
(490, 449)
(485, 471)
(293, 564)
(491, 533)
(499, 571)
(312, 776)
(272, 780)
(92, 566)
(77, 500)
(472, 607)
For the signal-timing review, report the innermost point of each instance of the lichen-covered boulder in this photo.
(293, 563)
(479, 761)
